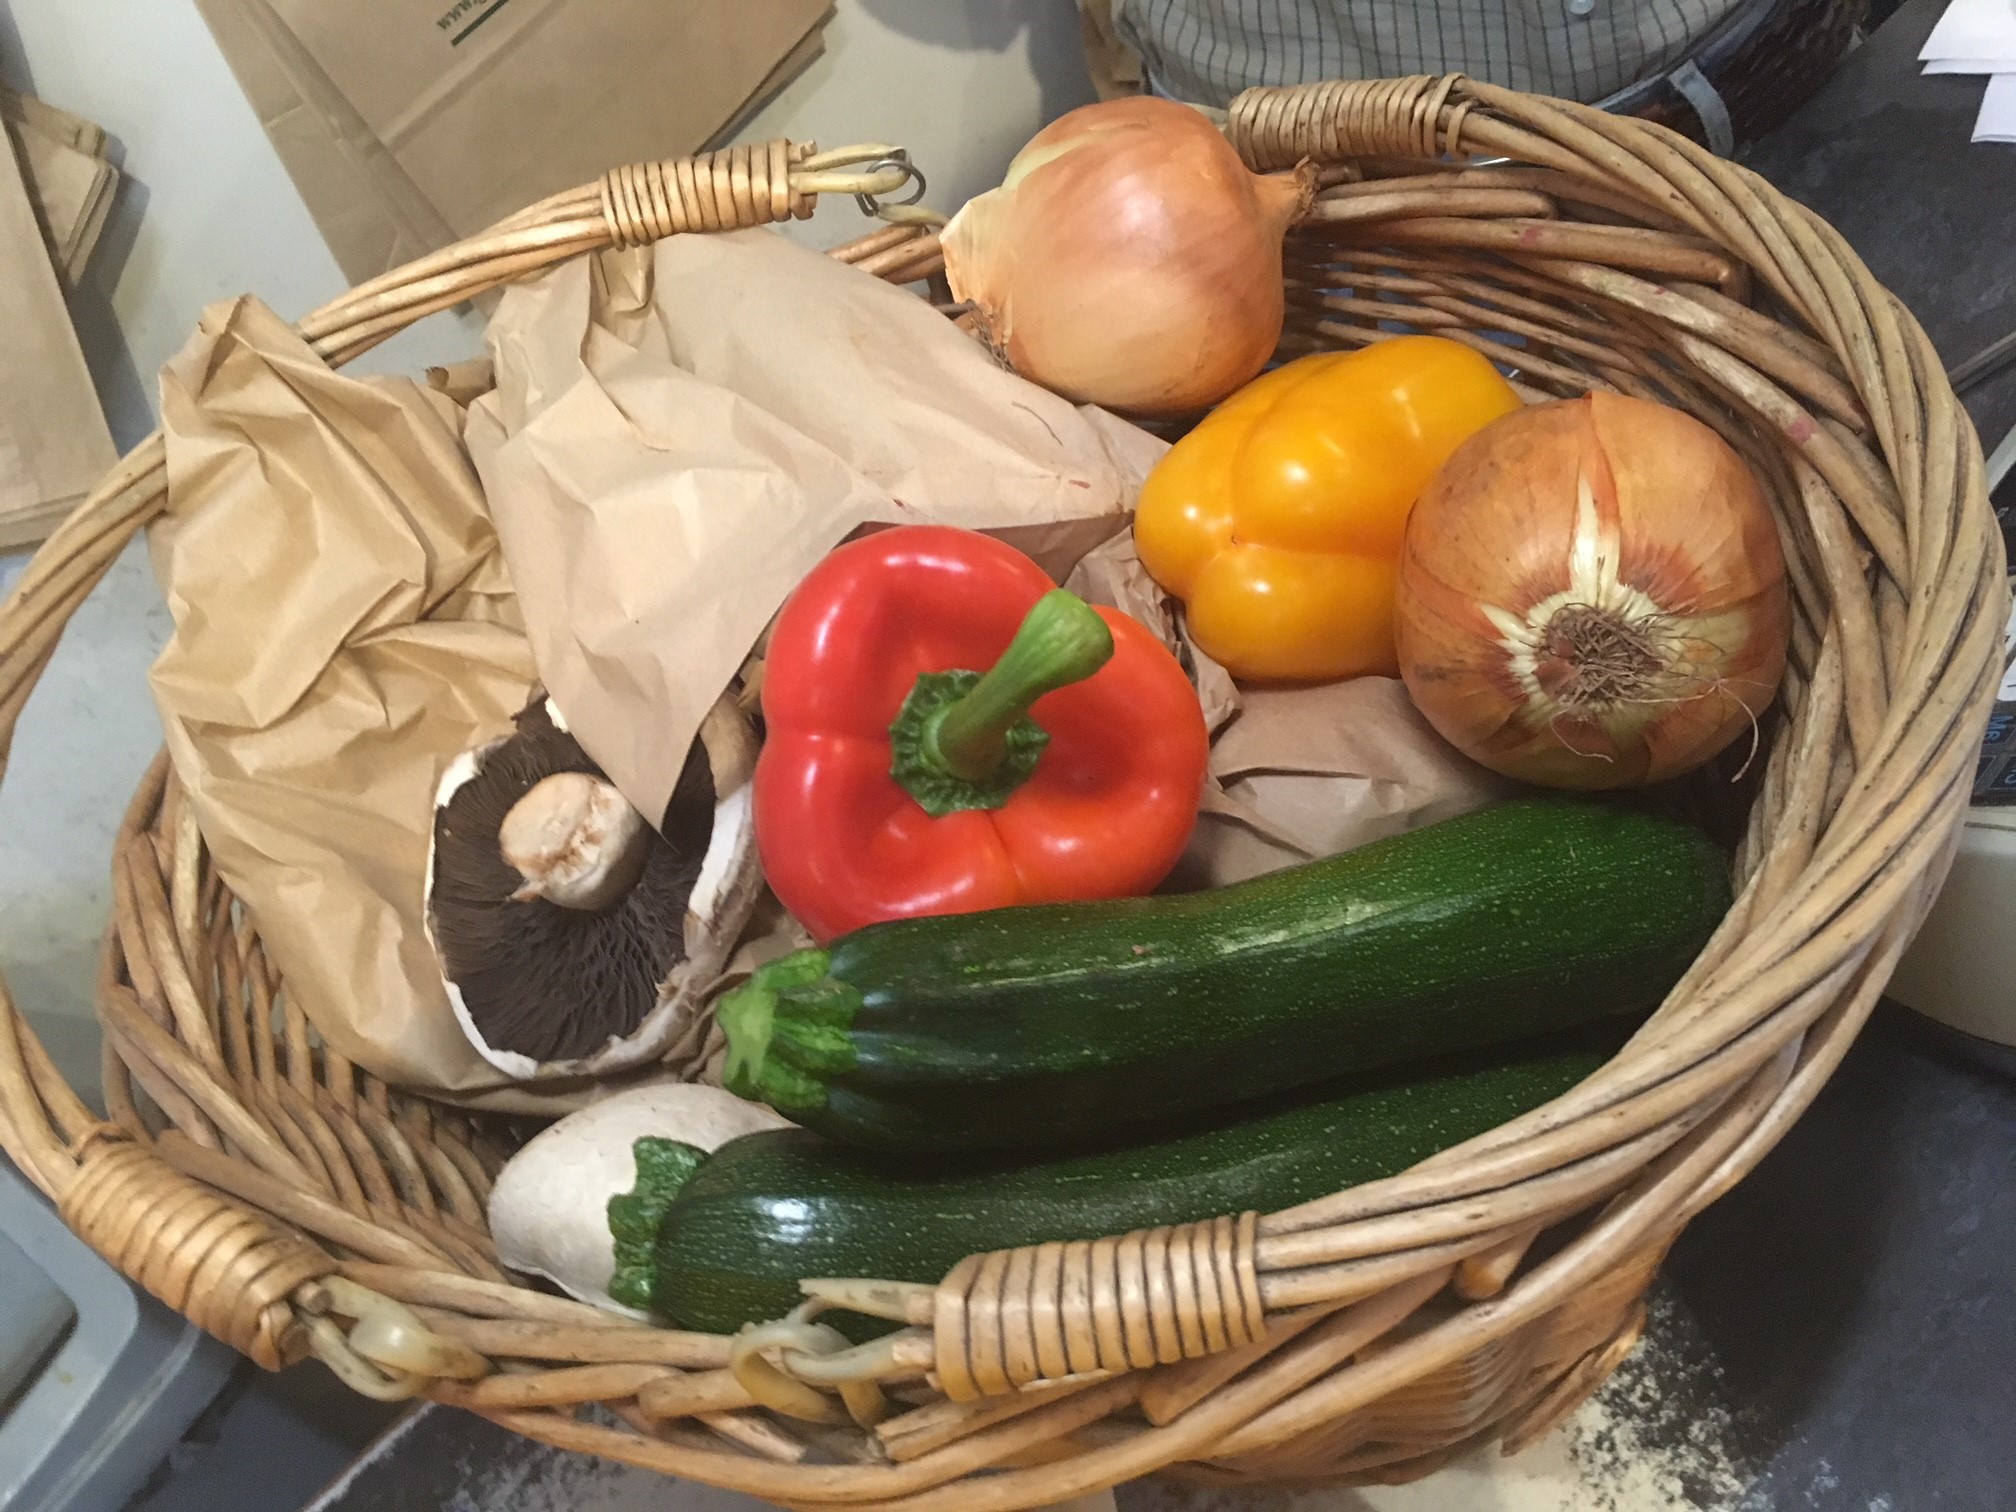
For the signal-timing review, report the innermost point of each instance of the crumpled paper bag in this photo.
(1296, 773)
(1303, 773)
(678, 434)
(343, 628)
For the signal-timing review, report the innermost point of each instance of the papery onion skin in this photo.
(1592, 595)
(1129, 259)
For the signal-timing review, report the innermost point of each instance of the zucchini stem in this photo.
(663, 1166)
(787, 1032)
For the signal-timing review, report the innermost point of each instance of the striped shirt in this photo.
(1206, 51)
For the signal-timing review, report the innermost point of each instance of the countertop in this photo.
(1836, 1333)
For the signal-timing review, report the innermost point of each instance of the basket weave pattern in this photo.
(256, 1181)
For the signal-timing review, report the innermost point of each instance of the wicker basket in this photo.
(291, 1205)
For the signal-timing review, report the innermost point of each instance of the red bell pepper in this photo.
(897, 780)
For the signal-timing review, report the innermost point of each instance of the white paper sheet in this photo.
(1997, 121)
(1974, 36)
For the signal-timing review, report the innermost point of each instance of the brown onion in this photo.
(1129, 258)
(1592, 595)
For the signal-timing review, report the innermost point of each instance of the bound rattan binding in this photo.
(291, 1202)
(1413, 117)
(740, 187)
(227, 1269)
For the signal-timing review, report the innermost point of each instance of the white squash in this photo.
(549, 1211)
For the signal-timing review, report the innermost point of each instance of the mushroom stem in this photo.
(576, 841)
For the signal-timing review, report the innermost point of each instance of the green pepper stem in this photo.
(1062, 641)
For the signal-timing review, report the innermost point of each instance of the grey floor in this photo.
(271, 1443)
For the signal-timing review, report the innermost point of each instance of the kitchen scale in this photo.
(98, 1381)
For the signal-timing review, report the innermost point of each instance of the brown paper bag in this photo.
(69, 180)
(1303, 773)
(407, 125)
(53, 122)
(54, 444)
(679, 434)
(343, 629)
(492, 104)
(1296, 773)
(367, 209)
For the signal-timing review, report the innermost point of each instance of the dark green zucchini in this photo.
(734, 1238)
(1052, 1026)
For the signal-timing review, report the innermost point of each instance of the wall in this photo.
(961, 83)
(210, 213)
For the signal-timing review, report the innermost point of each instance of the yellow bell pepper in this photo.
(1278, 520)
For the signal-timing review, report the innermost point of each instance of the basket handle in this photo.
(737, 187)
(1419, 117)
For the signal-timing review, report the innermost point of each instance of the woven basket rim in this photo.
(1837, 398)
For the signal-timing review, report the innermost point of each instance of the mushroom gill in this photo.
(538, 978)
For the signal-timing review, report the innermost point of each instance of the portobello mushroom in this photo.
(574, 938)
